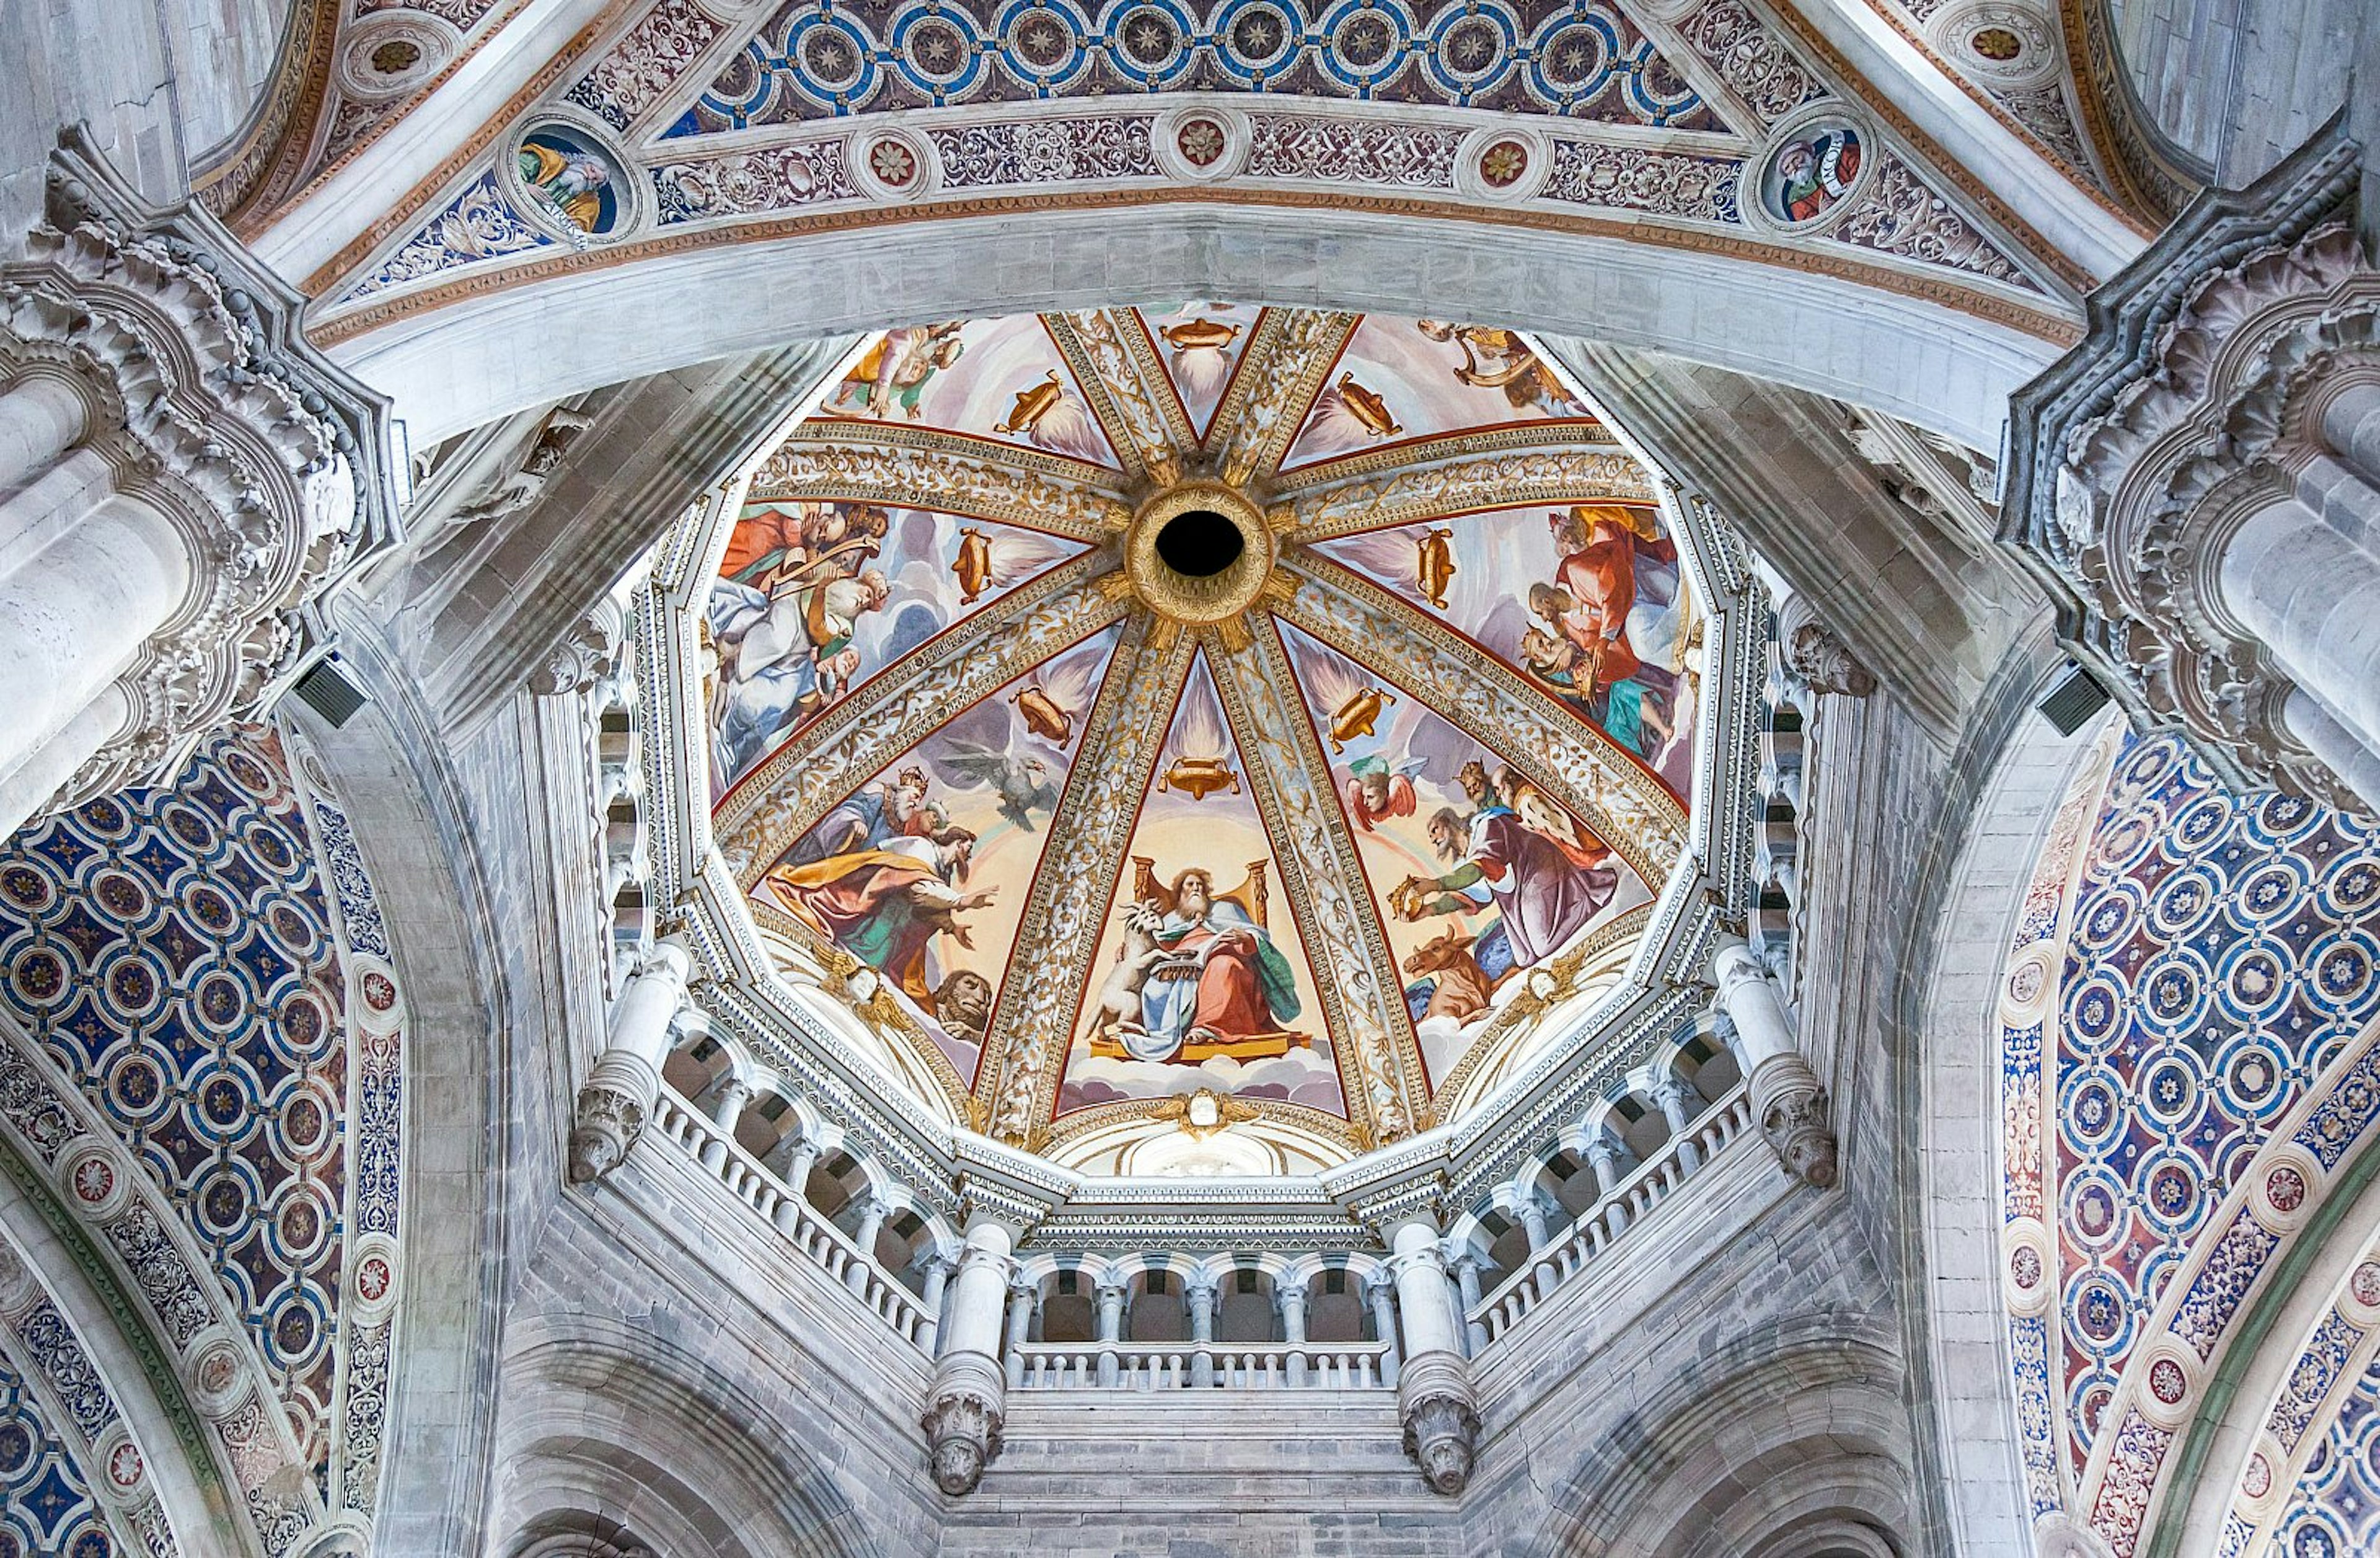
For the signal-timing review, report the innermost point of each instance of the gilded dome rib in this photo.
(1378, 1060)
(1274, 389)
(1568, 757)
(790, 789)
(1032, 1026)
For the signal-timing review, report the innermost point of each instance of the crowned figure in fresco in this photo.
(884, 904)
(1198, 974)
(1543, 875)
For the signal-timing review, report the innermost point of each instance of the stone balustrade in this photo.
(824, 1244)
(1620, 1208)
(1158, 1366)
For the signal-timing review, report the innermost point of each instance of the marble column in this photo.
(1434, 1393)
(1381, 1292)
(1674, 1096)
(1292, 1301)
(1603, 1156)
(872, 1212)
(1532, 1212)
(1467, 1282)
(936, 1268)
(726, 1107)
(968, 1401)
(1024, 1303)
(1200, 1299)
(1111, 1297)
(618, 1097)
(1787, 1098)
(797, 1158)
(86, 592)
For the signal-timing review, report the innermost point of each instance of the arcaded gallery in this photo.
(1194, 778)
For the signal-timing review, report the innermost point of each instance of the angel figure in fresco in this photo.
(885, 905)
(785, 654)
(1208, 978)
(896, 371)
(1374, 790)
(571, 181)
(1495, 358)
(1535, 882)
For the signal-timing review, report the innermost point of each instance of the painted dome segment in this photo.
(1400, 382)
(924, 872)
(1202, 346)
(813, 598)
(1586, 603)
(1476, 874)
(997, 379)
(1200, 979)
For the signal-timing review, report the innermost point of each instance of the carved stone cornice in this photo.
(211, 411)
(1503, 480)
(2135, 459)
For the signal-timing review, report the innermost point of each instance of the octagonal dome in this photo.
(1156, 721)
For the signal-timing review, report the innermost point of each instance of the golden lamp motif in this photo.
(1369, 408)
(1043, 717)
(1032, 405)
(1434, 565)
(972, 565)
(1199, 777)
(1356, 715)
(1209, 334)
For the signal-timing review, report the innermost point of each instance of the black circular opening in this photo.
(1199, 542)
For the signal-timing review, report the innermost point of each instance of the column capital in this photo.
(266, 464)
(2137, 457)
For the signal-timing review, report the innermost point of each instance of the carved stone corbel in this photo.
(1441, 1419)
(1812, 651)
(963, 1420)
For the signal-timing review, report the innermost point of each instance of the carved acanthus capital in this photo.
(2184, 413)
(258, 457)
(585, 655)
(613, 1105)
(1441, 1419)
(606, 1123)
(1790, 1104)
(963, 1420)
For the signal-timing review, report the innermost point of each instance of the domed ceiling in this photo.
(1202, 713)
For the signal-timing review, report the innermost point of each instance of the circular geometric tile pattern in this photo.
(46, 1498)
(2222, 950)
(174, 951)
(1582, 59)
